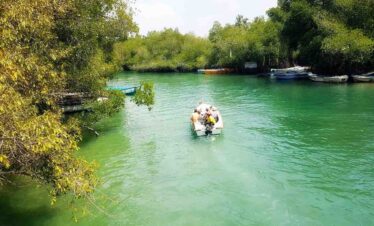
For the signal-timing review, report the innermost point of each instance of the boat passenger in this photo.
(214, 113)
(208, 110)
(195, 116)
(210, 119)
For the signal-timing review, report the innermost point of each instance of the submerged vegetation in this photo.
(332, 36)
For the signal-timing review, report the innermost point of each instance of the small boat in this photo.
(219, 71)
(292, 73)
(329, 79)
(368, 77)
(199, 126)
(128, 90)
(299, 69)
(201, 71)
(290, 76)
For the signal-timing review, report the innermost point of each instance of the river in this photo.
(292, 153)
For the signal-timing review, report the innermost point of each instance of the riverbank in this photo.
(365, 78)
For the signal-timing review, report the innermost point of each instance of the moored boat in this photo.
(219, 71)
(368, 77)
(292, 73)
(299, 69)
(329, 79)
(201, 128)
(128, 90)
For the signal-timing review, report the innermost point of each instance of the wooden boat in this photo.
(292, 73)
(199, 126)
(329, 79)
(368, 77)
(219, 71)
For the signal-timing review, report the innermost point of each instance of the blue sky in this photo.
(195, 16)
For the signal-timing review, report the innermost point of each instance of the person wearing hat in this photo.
(214, 112)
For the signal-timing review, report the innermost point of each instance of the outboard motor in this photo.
(208, 129)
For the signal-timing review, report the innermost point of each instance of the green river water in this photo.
(292, 153)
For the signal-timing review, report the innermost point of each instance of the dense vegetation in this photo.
(164, 51)
(332, 36)
(245, 41)
(47, 48)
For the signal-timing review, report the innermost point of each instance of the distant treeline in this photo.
(163, 51)
(332, 36)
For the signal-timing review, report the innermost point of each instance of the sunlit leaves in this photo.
(145, 95)
(352, 45)
(46, 48)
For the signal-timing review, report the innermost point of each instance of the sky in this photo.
(195, 16)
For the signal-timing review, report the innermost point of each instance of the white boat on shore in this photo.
(201, 128)
(329, 79)
(298, 69)
(369, 77)
(292, 73)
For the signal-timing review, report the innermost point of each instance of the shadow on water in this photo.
(105, 126)
(15, 208)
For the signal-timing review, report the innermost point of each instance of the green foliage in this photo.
(104, 108)
(258, 41)
(145, 95)
(333, 36)
(41, 146)
(348, 48)
(163, 51)
(46, 48)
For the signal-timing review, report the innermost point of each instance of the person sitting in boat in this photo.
(209, 121)
(208, 110)
(195, 116)
(214, 112)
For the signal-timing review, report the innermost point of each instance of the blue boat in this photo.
(128, 90)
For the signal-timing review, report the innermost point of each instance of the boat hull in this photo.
(329, 79)
(130, 91)
(201, 133)
(292, 73)
(220, 71)
(127, 90)
(363, 78)
(289, 76)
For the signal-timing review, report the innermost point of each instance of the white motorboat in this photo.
(201, 128)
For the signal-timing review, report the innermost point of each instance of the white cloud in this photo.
(155, 15)
(195, 16)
